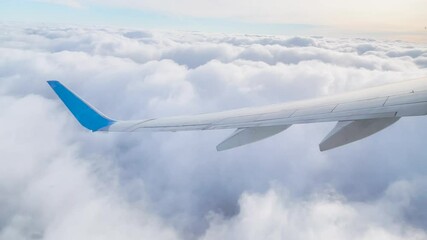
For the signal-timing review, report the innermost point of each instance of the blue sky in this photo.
(396, 20)
(22, 11)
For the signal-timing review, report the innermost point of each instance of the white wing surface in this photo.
(359, 114)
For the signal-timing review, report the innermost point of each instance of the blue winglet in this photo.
(87, 115)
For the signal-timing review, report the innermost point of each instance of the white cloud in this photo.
(274, 215)
(59, 181)
(49, 189)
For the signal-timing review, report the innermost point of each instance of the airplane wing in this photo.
(358, 114)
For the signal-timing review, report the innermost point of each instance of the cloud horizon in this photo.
(392, 20)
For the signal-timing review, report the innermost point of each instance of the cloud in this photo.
(49, 190)
(58, 181)
(275, 215)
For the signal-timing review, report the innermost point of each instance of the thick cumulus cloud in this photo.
(59, 181)
(274, 215)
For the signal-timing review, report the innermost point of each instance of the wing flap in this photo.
(349, 131)
(245, 136)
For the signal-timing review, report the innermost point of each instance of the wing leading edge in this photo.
(359, 114)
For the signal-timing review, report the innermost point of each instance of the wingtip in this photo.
(87, 115)
(53, 83)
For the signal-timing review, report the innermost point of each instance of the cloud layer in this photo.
(59, 181)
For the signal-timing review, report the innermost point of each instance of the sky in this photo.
(60, 181)
(395, 19)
